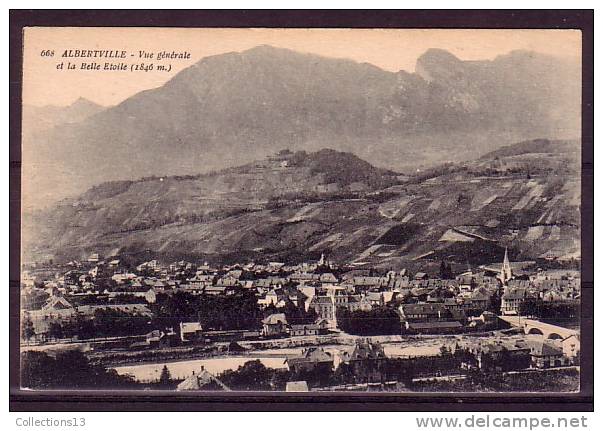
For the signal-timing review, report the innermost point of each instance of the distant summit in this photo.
(36, 119)
(231, 108)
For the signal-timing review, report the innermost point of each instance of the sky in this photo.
(389, 49)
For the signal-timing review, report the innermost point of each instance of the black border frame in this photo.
(236, 401)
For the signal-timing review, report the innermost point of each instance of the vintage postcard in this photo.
(301, 210)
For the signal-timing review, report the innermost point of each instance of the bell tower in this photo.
(505, 272)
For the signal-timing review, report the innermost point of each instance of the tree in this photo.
(252, 376)
(530, 307)
(165, 379)
(27, 329)
(495, 302)
(446, 271)
(55, 330)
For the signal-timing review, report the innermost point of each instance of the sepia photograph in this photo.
(301, 210)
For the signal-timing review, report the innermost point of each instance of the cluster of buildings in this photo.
(520, 353)
(362, 359)
(424, 303)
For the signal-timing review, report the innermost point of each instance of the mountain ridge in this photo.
(288, 207)
(227, 108)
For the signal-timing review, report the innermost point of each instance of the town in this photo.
(316, 325)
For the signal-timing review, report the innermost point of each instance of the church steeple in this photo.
(322, 260)
(505, 272)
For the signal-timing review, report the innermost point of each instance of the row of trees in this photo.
(556, 310)
(377, 321)
(231, 312)
(237, 311)
(104, 323)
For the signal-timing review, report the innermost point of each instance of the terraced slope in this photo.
(295, 206)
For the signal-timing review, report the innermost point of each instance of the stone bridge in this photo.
(536, 327)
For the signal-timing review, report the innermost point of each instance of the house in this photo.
(273, 297)
(480, 298)
(309, 360)
(300, 386)
(342, 299)
(452, 304)
(159, 286)
(512, 300)
(323, 306)
(274, 325)
(56, 310)
(421, 276)
(552, 296)
(72, 277)
(57, 303)
(93, 272)
(295, 296)
(364, 360)
(439, 327)
(304, 277)
(545, 354)
(571, 347)
(150, 296)
(499, 356)
(420, 293)
(376, 299)
(431, 317)
(218, 290)
(195, 289)
(203, 278)
(423, 311)
(157, 338)
(147, 294)
(275, 266)
(328, 279)
(322, 325)
(297, 330)
(229, 282)
(235, 273)
(368, 282)
(93, 258)
(121, 278)
(151, 265)
(191, 331)
(202, 381)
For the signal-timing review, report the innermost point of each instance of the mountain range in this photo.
(295, 205)
(230, 109)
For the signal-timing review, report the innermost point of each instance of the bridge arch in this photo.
(535, 327)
